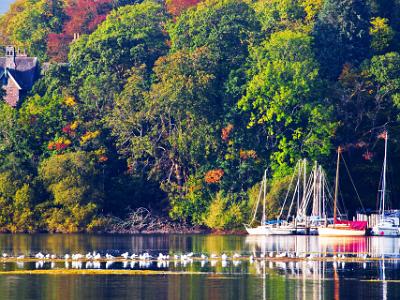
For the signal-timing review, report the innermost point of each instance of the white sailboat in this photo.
(314, 210)
(387, 225)
(342, 227)
(296, 215)
(273, 227)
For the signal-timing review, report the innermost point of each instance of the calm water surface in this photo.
(216, 280)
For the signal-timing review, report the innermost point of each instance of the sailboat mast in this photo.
(304, 180)
(264, 195)
(336, 185)
(314, 210)
(384, 177)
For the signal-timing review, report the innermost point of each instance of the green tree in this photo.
(341, 35)
(283, 97)
(225, 27)
(381, 33)
(101, 62)
(75, 190)
(31, 22)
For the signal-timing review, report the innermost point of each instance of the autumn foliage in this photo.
(214, 176)
(226, 132)
(176, 7)
(83, 17)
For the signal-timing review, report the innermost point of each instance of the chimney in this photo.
(21, 52)
(10, 57)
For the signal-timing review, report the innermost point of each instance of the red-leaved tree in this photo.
(176, 7)
(83, 17)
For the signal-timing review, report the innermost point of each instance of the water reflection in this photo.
(374, 246)
(241, 278)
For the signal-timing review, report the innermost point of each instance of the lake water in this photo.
(241, 279)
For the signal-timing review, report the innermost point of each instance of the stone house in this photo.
(18, 73)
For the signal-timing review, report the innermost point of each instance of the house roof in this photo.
(9, 74)
(25, 72)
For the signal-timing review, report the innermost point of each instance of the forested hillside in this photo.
(180, 106)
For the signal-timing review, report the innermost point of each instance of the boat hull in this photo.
(385, 231)
(260, 230)
(331, 231)
(282, 231)
(267, 230)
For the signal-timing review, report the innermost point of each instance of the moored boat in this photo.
(387, 225)
(342, 227)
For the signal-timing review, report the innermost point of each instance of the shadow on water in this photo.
(242, 279)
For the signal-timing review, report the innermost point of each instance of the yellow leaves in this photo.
(70, 101)
(381, 34)
(246, 154)
(59, 144)
(312, 8)
(74, 125)
(377, 24)
(88, 136)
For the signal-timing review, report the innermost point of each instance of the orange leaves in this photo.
(176, 7)
(383, 135)
(70, 128)
(368, 155)
(214, 176)
(246, 154)
(226, 132)
(59, 144)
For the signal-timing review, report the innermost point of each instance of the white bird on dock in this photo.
(53, 256)
(271, 254)
(47, 256)
(214, 255)
(109, 256)
(77, 256)
(21, 257)
(283, 254)
(176, 257)
(224, 256)
(236, 256)
(97, 256)
(203, 257)
(66, 256)
(262, 255)
(251, 258)
(145, 256)
(5, 255)
(189, 254)
(89, 256)
(161, 256)
(39, 255)
(134, 256)
(364, 256)
(125, 255)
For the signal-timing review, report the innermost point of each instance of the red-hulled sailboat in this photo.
(342, 227)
